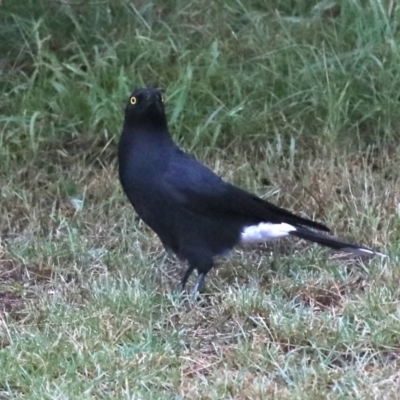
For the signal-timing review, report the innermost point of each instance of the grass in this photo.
(296, 101)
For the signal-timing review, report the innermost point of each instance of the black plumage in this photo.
(193, 211)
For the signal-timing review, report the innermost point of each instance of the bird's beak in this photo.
(153, 100)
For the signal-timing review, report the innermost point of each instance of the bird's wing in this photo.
(194, 187)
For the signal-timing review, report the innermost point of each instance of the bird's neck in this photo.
(146, 133)
(152, 122)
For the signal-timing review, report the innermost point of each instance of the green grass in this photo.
(296, 101)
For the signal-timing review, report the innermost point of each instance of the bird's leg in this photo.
(202, 263)
(198, 284)
(186, 276)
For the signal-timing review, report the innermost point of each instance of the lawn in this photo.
(296, 101)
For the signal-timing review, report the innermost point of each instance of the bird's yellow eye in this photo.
(162, 98)
(133, 100)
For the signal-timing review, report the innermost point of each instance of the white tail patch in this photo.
(265, 231)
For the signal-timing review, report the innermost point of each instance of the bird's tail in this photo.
(333, 243)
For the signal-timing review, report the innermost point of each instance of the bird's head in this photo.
(145, 106)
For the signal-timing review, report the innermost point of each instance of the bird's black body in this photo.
(194, 212)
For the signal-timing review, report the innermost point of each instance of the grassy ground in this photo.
(297, 101)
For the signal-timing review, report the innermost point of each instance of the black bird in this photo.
(193, 211)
